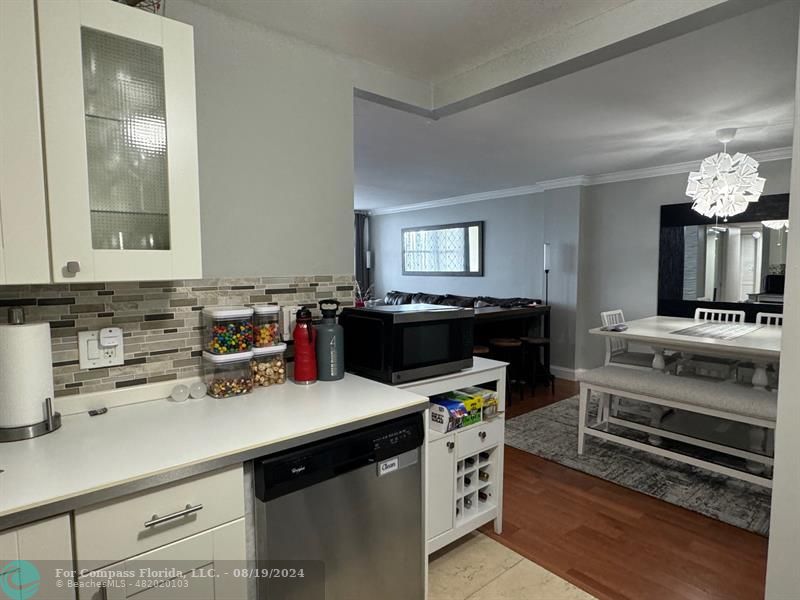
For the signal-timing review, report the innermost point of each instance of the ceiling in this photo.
(421, 39)
(657, 106)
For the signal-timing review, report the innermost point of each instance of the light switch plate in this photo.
(93, 356)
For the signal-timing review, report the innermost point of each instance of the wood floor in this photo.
(616, 543)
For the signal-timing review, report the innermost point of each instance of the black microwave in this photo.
(407, 342)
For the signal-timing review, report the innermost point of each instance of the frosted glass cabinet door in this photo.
(24, 252)
(121, 143)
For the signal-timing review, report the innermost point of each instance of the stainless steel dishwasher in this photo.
(354, 504)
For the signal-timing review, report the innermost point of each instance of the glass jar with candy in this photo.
(228, 375)
(266, 326)
(228, 329)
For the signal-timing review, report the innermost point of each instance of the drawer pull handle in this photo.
(156, 520)
(450, 445)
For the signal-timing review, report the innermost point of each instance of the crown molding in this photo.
(577, 181)
(677, 168)
(466, 199)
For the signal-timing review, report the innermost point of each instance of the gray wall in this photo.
(619, 239)
(515, 230)
(275, 135)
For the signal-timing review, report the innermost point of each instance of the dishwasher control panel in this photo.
(282, 473)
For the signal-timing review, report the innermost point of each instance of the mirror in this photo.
(455, 250)
(742, 262)
(737, 263)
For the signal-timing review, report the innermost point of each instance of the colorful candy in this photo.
(267, 334)
(226, 338)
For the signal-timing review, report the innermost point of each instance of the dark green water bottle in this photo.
(330, 343)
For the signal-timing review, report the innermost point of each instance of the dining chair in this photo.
(769, 319)
(711, 366)
(718, 314)
(742, 369)
(617, 351)
(618, 354)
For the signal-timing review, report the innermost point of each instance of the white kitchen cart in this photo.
(459, 499)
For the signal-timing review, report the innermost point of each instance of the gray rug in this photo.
(552, 433)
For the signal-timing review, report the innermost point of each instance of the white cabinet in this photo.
(464, 467)
(108, 532)
(201, 567)
(24, 255)
(47, 546)
(120, 141)
(441, 504)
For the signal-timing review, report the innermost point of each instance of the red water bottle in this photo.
(305, 355)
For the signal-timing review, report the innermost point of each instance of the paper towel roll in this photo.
(26, 373)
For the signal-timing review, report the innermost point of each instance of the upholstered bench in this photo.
(723, 399)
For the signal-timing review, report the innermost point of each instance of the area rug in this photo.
(552, 433)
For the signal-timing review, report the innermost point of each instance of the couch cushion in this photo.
(729, 397)
(462, 301)
(397, 298)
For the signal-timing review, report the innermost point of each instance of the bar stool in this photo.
(509, 350)
(530, 357)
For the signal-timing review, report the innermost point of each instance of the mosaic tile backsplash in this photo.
(161, 320)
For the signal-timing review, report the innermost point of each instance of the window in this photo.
(455, 250)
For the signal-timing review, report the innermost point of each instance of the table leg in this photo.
(656, 412)
(659, 364)
(758, 444)
(760, 379)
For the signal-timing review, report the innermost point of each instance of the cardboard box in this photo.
(488, 399)
(446, 414)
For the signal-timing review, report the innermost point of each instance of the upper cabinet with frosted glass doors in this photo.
(120, 140)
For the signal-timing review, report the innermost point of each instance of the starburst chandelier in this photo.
(776, 224)
(725, 185)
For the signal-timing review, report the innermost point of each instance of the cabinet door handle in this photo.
(451, 445)
(482, 435)
(156, 520)
(73, 266)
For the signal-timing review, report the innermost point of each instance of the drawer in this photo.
(114, 530)
(222, 549)
(481, 436)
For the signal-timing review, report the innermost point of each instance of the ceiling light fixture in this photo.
(725, 185)
(777, 224)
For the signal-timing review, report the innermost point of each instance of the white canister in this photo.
(26, 374)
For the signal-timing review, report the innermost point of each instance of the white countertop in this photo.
(94, 458)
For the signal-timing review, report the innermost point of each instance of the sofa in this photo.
(396, 297)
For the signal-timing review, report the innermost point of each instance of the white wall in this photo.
(275, 135)
(620, 225)
(783, 576)
(515, 230)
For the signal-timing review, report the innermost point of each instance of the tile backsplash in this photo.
(161, 320)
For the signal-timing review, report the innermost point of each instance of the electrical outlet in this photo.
(102, 348)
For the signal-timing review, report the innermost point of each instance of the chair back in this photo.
(717, 314)
(614, 345)
(769, 319)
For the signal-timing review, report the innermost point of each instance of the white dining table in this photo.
(759, 344)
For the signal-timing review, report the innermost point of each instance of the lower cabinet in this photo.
(46, 545)
(201, 567)
(465, 481)
(441, 493)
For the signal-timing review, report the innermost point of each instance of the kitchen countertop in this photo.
(139, 446)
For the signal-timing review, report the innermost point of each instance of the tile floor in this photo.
(479, 568)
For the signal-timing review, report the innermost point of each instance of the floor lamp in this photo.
(546, 272)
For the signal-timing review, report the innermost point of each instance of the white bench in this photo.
(724, 400)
